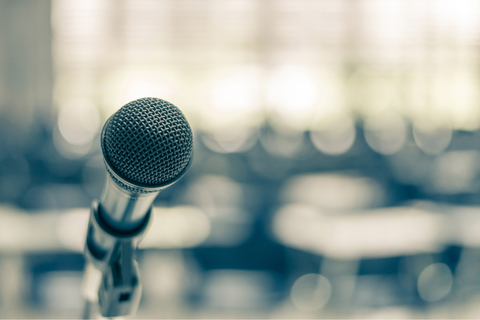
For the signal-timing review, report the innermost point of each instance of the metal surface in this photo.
(124, 210)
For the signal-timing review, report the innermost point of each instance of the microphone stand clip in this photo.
(112, 253)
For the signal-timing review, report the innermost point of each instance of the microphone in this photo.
(147, 146)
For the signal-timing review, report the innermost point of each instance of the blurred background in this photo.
(337, 154)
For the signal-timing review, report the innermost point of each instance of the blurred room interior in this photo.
(337, 154)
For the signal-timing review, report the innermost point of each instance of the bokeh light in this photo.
(311, 292)
(235, 99)
(334, 135)
(78, 122)
(456, 172)
(291, 93)
(334, 191)
(134, 82)
(435, 282)
(179, 227)
(432, 139)
(385, 133)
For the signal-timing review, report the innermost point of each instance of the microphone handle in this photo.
(124, 210)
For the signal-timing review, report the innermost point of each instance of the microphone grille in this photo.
(148, 142)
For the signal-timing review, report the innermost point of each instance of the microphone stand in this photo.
(111, 253)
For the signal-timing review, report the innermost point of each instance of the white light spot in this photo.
(311, 292)
(72, 229)
(435, 282)
(292, 93)
(334, 138)
(179, 227)
(78, 122)
(385, 133)
(456, 172)
(432, 139)
(233, 100)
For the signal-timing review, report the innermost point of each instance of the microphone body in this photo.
(147, 146)
(123, 209)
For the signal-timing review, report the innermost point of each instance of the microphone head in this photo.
(148, 143)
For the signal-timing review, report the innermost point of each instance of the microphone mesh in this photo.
(148, 141)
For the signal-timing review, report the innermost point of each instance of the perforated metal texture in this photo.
(148, 142)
